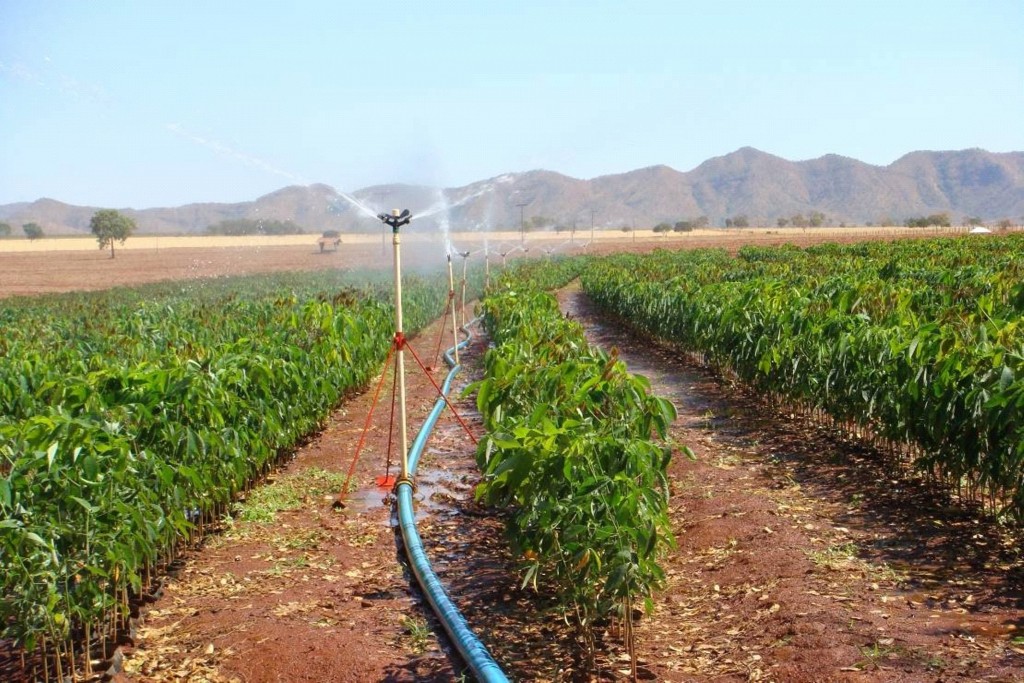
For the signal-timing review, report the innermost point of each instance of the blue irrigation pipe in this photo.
(469, 646)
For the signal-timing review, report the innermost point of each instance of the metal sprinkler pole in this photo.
(451, 298)
(396, 220)
(465, 260)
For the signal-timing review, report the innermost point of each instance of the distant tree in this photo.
(111, 226)
(662, 227)
(683, 226)
(5, 230)
(741, 221)
(972, 220)
(728, 222)
(940, 220)
(626, 228)
(782, 222)
(816, 220)
(701, 222)
(33, 231)
(797, 220)
(1005, 224)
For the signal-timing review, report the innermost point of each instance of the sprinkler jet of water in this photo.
(548, 251)
(362, 208)
(510, 252)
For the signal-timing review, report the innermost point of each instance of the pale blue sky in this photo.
(138, 104)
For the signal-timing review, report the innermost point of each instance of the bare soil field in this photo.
(63, 265)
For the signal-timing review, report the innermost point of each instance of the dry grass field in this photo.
(71, 264)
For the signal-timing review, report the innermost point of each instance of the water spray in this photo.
(511, 251)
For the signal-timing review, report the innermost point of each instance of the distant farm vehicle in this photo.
(330, 240)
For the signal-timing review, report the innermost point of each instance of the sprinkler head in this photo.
(396, 219)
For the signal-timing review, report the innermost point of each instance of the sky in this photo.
(144, 104)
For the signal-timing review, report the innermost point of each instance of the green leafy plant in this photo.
(571, 451)
(916, 346)
(130, 419)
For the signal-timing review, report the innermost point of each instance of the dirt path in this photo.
(800, 558)
(310, 593)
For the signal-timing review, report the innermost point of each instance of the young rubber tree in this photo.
(109, 226)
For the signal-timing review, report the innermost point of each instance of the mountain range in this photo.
(747, 182)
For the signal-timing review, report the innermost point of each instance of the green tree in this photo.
(940, 220)
(111, 226)
(782, 222)
(662, 227)
(740, 221)
(33, 231)
(816, 220)
(5, 230)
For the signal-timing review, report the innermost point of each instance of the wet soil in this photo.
(318, 592)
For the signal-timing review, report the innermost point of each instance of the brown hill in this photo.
(761, 186)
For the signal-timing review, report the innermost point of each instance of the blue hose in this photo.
(469, 646)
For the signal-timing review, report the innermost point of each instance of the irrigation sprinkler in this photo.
(397, 351)
(451, 302)
(465, 260)
(505, 253)
(396, 220)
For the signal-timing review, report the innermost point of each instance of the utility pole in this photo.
(522, 223)
(592, 212)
